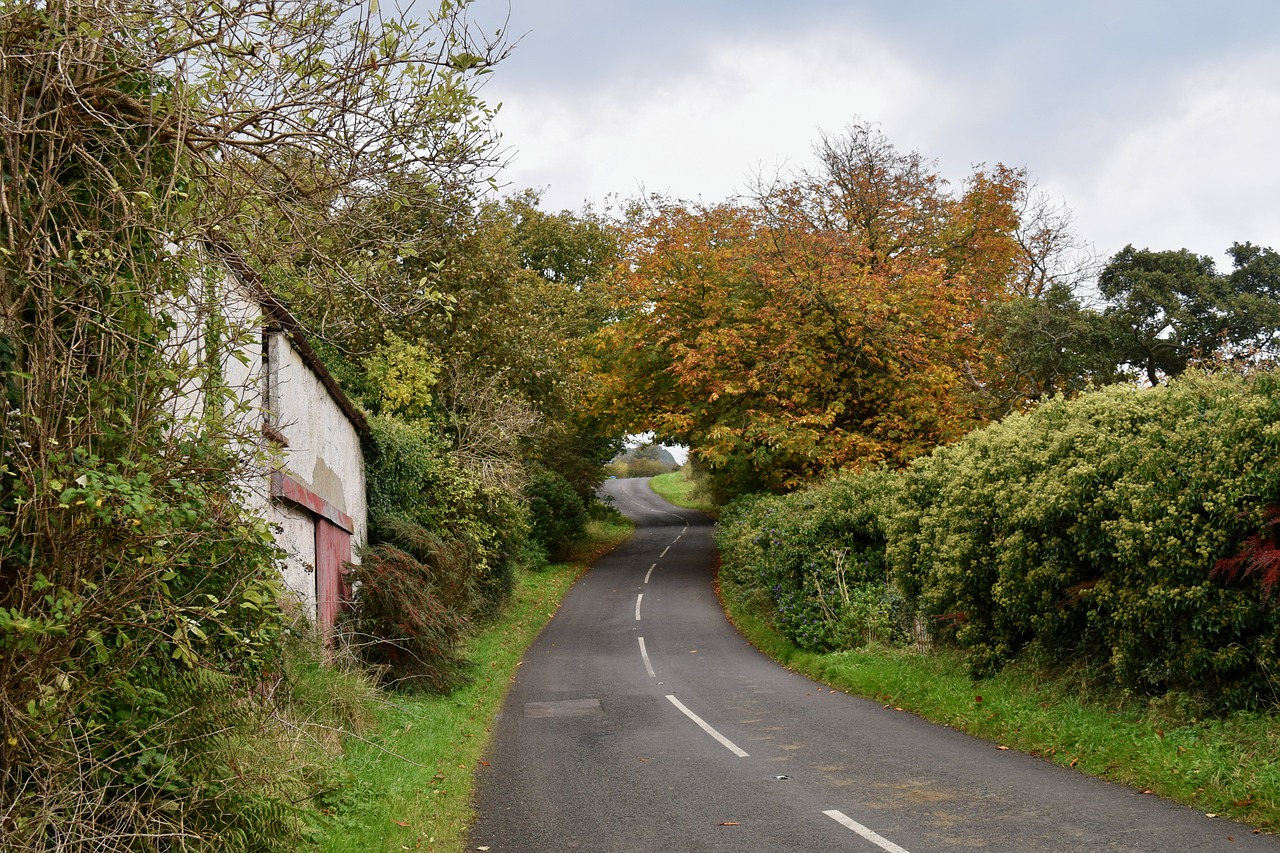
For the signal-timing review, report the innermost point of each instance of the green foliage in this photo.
(138, 596)
(1170, 308)
(132, 648)
(415, 486)
(142, 702)
(557, 513)
(1089, 530)
(1046, 344)
(405, 376)
(685, 487)
(1127, 532)
(813, 561)
(443, 554)
(477, 326)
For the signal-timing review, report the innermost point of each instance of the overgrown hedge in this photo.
(814, 561)
(1129, 532)
(443, 554)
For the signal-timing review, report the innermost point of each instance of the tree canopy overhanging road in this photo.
(641, 720)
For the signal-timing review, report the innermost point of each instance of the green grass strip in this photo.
(409, 784)
(679, 488)
(1228, 767)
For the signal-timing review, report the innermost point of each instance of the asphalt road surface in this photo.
(640, 720)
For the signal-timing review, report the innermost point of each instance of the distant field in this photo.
(680, 489)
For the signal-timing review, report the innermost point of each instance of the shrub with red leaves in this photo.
(1259, 557)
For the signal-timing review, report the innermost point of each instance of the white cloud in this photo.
(1202, 174)
(704, 130)
(1140, 157)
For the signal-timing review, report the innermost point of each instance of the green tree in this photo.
(139, 617)
(497, 298)
(1171, 307)
(1046, 344)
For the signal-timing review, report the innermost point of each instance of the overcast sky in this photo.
(1157, 123)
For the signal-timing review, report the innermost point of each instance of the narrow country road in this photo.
(640, 720)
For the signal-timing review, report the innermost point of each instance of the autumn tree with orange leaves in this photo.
(828, 322)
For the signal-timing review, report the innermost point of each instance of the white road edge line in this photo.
(664, 552)
(702, 724)
(638, 599)
(650, 572)
(677, 539)
(648, 667)
(872, 836)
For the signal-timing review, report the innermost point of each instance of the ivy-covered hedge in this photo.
(1128, 530)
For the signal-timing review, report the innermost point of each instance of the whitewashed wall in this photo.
(297, 535)
(285, 405)
(322, 452)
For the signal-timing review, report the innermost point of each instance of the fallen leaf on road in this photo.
(1146, 791)
(1242, 803)
(1003, 748)
(644, 759)
(1210, 814)
(729, 823)
(484, 764)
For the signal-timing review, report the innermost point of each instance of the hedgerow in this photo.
(443, 553)
(814, 561)
(1128, 532)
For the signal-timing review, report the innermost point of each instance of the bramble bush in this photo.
(557, 513)
(139, 616)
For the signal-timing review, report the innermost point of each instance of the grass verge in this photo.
(408, 785)
(1228, 766)
(679, 488)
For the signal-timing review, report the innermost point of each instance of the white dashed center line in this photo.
(648, 667)
(874, 837)
(706, 727)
